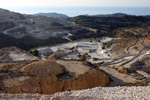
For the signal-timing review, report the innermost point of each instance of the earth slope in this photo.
(48, 77)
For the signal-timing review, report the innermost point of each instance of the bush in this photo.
(47, 54)
(97, 39)
(136, 47)
(30, 52)
(103, 47)
(57, 58)
(79, 55)
(35, 52)
(83, 57)
(106, 45)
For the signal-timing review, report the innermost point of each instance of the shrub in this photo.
(106, 45)
(79, 55)
(35, 52)
(30, 52)
(103, 47)
(136, 47)
(57, 57)
(97, 39)
(83, 57)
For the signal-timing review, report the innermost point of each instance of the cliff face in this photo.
(51, 84)
(48, 77)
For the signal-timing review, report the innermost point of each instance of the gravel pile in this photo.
(98, 93)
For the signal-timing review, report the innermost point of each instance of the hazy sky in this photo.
(33, 3)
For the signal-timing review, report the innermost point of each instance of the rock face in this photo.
(51, 84)
(47, 77)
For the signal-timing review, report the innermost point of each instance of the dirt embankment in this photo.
(51, 84)
(48, 77)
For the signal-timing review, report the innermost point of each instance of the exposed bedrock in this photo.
(48, 77)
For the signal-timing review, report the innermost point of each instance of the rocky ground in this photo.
(98, 93)
(90, 47)
(9, 54)
(118, 78)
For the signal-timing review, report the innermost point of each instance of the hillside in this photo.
(106, 25)
(41, 27)
(28, 31)
(12, 54)
(47, 77)
(28, 42)
(54, 15)
(110, 15)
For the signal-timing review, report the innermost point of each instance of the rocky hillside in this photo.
(111, 15)
(106, 24)
(19, 25)
(11, 54)
(28, 42)
(54, 15)
(28, 31)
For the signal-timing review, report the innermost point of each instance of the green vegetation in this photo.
(47, 54)
(57, 58)
(103, 47)
(30, 52)
(123, 43)
(107, 45)
(106, 25)
(97, 39)
(83, 56)
(127, 35)
(35, 52)
(91, 40)
(136, 47)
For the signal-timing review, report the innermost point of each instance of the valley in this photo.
(46, 55)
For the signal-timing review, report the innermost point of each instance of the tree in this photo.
(104, 46)
(30, 52)
(35, 52)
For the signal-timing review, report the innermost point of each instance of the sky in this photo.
(40, 3)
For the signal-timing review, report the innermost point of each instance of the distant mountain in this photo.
(54, 15)
(147, 16)
(111, 15)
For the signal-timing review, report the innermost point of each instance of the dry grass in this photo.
(122, 45)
